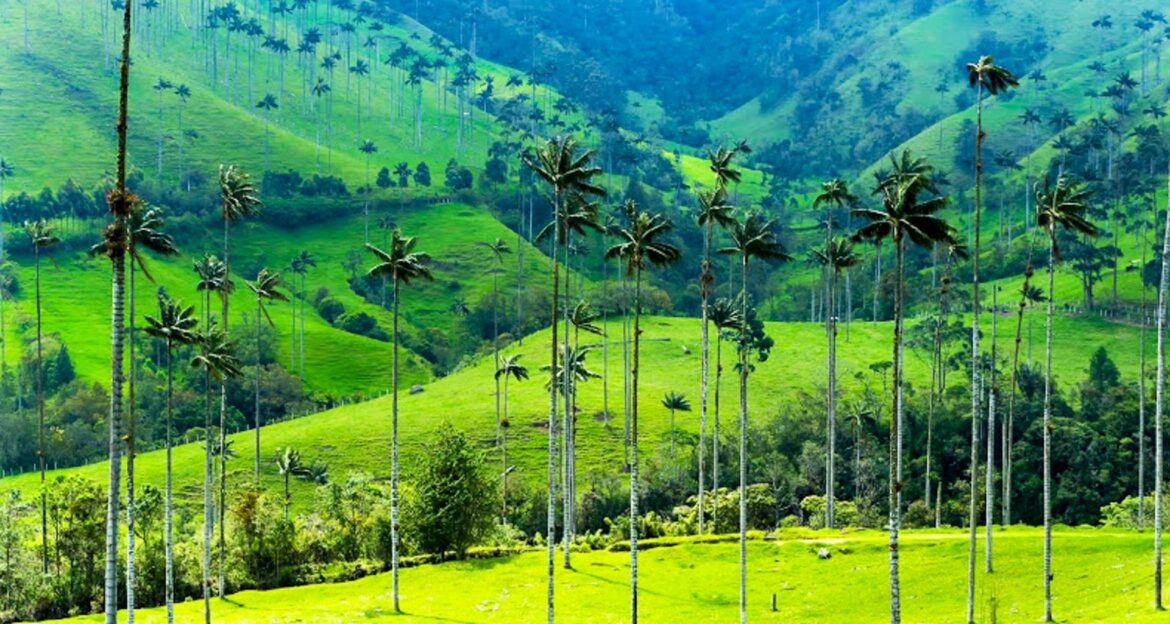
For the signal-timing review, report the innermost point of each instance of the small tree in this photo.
(422, 174)
(455, 497)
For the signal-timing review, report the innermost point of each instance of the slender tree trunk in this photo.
(169, 530)
(130, 454)
(119, 207)
(634, 487)
(976, 387)
(504, 459)
(743, 420)
(259, 311)
(1048, 428)
(895, 484)
(1141, 386)
(705, 279)
(568, 418)
(831, 404)
(42, 456)
(394, 453)
(496, 341)
(1009, 426)
(1159, 406)
(551, 537)
(715, 433)
(989, 486)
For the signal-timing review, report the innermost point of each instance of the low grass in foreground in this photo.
(1100, 576)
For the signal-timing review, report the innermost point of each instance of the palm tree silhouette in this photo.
(183, 92)
(403, 265)
(1064, 206)
(954, 251)
(42, 236)
(837, 256)
(359, 69)
(213, 278)
(289, 464)
(145, 233)
(987, 77)
(238, 199)
(509, 368)
(175, 325)
(639, 246)
(304, 262)
(724, 315)
(162, 86)
(265, 288)
(267, 104)
(714, 209)
(751, 238)
(566, 171)
(905, 213)
(674, 402)
(497, 248)
(320, 89)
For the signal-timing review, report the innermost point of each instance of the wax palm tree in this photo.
(837, 256)
(265, 288)
(213, 278)
(175, 325)
(120, 202)
(369, 149)
(724, 315)
(267, 104)
(497, 248)
(304, 262)
(639, 247)
(509, 368)
(905, 214)
(162, 86)
(1062, 206)
(288, 464)
(565, 170)
(320, 90)
(144, 226)
(42, 237)
(238, 199)
(403, 265)
(217, 360)
(751, 238)
(714, 209)
(987, 77)
(674, 402)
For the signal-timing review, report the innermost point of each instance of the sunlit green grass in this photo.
(1099, 577)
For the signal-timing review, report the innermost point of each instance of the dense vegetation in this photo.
(396, 216)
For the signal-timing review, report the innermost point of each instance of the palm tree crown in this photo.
(401, 262)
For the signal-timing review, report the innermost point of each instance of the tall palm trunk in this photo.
(496, 341)
(705, 280)
(222, 511)
(394, 451)
(989, 484)
(208, 512)
(504, 460)
(168, 521)
(259, 311)
(743, 374)
(130, 452)
(1142, 388)
(976, 389)
(304, 295)
(831, 403)
(120, 207)
(715, 434)
(895, 480)
(1159, 406)
(634, 493)
(550, 538)
(42, 456)
(568, 418)
(1048, 426)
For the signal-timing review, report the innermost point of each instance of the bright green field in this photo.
(356, 438)
(336, 362)
(1099, 577)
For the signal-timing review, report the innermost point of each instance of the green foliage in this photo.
(455, 499)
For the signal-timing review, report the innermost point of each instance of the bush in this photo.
(330, 309)
(455, 500)
(362, 324)
(1124, 515)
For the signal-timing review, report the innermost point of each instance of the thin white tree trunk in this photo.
(743, 419)
(394, 453)
(1159, 406)
(895, 480)
(1048, 429)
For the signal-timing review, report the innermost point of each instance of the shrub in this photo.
(362, 324)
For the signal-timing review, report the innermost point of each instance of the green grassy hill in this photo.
(1101, 576)
(356, 438)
